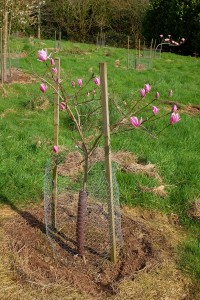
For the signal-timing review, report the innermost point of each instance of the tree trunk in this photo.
(4, 41)
(80, 232)
(82, 210)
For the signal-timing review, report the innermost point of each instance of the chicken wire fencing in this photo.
(12, 64)
(69, 184)
(143, 63)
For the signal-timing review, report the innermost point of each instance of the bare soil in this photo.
(192, 110)
(18, 76)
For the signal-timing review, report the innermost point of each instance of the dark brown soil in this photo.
(18, 76)
(34, 260)
(192, 110)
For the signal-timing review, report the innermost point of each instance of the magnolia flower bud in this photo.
(147, 88)
(97, 81)
(157, 95)
(55, 149)
(62, 106)
(174, 108)
(43, 87)
(155, 110)
(80, 82)
(73, 83)
(54, 70)
(52, 61)
(142, 92)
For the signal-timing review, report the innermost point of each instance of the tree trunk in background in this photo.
(4, 41)
(39, 21)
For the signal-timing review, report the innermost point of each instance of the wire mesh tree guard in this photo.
(96, 214)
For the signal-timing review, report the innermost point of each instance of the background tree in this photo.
(82, 20)
(128, 15)
(4, 41)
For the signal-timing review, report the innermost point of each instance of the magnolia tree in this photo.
(83, 108)
(170, 41)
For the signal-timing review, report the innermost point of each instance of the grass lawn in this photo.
(26, 131)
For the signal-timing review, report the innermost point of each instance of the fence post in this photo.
(55, 41)
(128, 47)
(1, 56)
(59, 41)
(4, 45)
(56, 132)
(108, 162)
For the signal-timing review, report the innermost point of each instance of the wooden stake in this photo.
(108, 163)
(55, 44)
(139, 49)
(154, 47)
(97, 42)
(56, 132)
(4, 43)
(60, 46)
(128, 52)
(151, 48)
(1, 56)
(39, 21)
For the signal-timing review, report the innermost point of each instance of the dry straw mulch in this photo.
(147, 271)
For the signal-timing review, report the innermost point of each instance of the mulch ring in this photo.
(34, 261)
(18, 76)
(192, 110)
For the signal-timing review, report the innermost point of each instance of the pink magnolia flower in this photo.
(54, 70)
(174, 118)
(43, 87)
(62, 106)
(80, 82)
(52, 61)
(174, 108)
(97, 81)
(147, 88)
(142, 92)
(175, 43)
(161, 36)
(42, 55)
(155, 110)
(170, 93)
(135, 122)
(73, 83)
(157, 95)
(55, 149)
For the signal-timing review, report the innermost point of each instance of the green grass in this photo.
(26, 134)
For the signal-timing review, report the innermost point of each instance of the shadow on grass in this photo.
(58, 237)
(35, 223)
